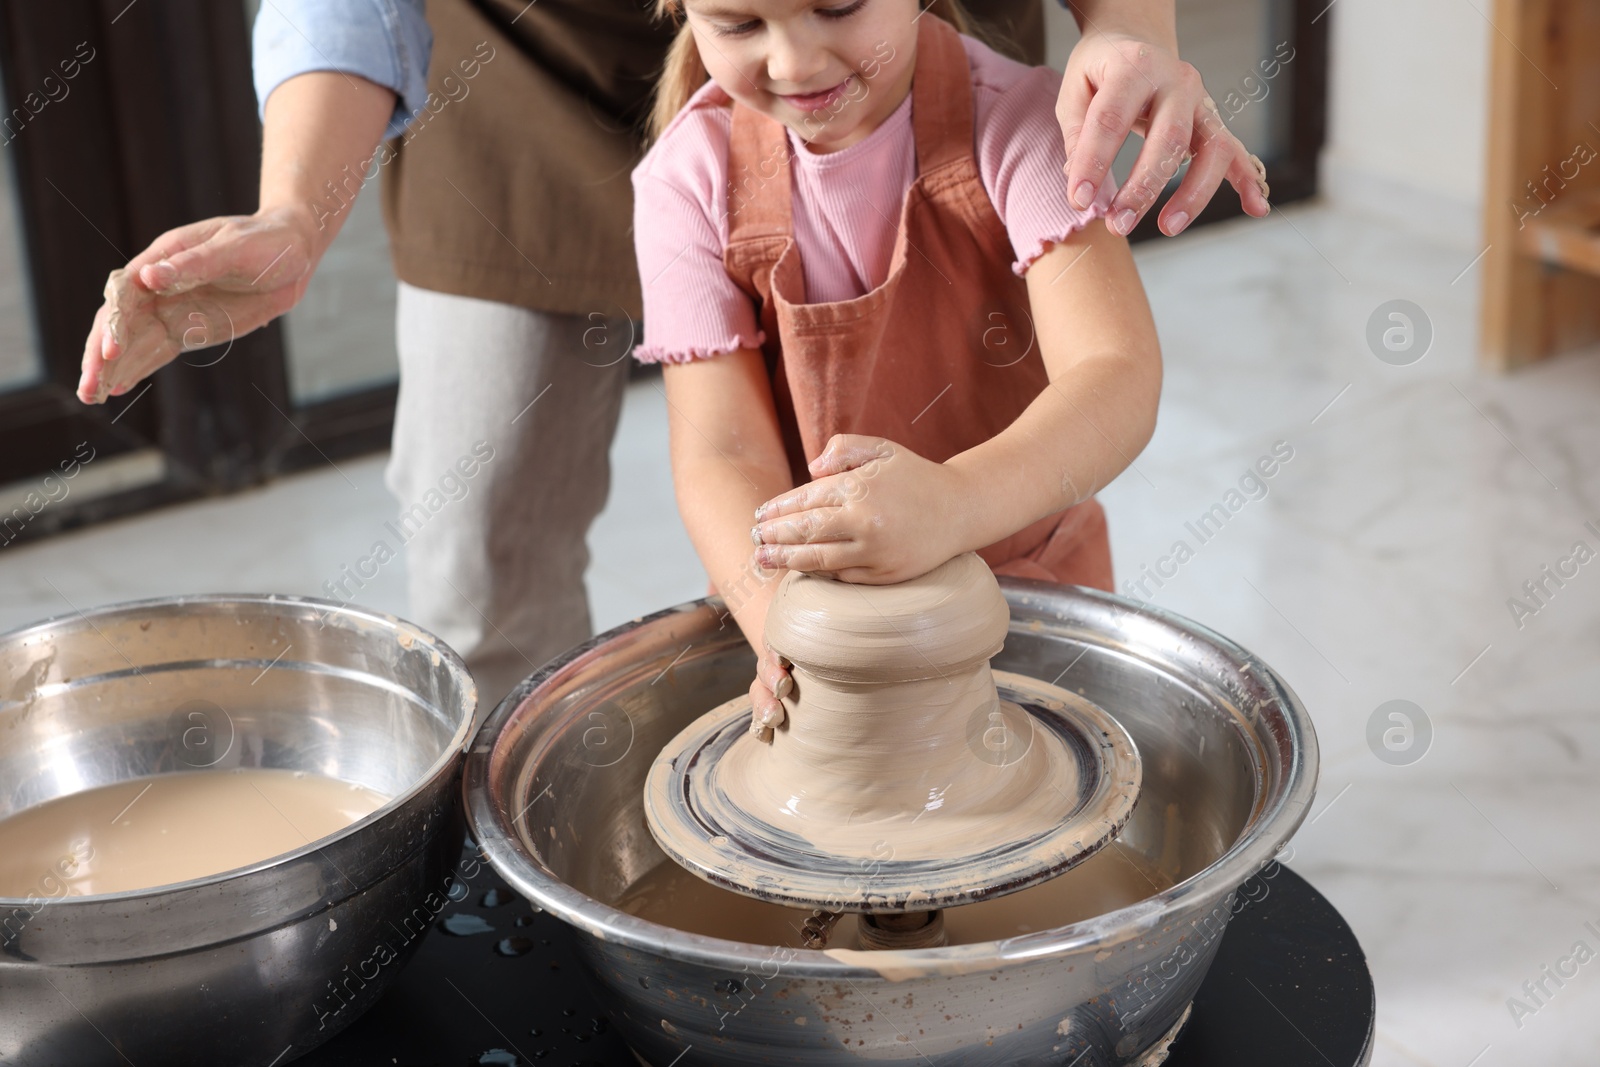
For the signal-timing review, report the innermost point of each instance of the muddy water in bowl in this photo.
(215, 703)
(170, 828)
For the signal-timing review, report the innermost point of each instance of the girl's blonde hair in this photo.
(683, 72)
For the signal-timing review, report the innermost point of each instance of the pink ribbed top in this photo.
(846, 205)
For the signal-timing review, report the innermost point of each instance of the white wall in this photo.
(1408, 111)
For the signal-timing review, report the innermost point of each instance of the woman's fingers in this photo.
(197, 286)
(136, 332)
(247, 254)
(228, 258)
(147, 349)
(1248, 176)
(176, 240)
(93, 362)
(110, 337)
(125, 299)
(1166, 147)
(1112, 111)
(1115, 85)
(164, 275)
(1217, 154)
(1072, 104)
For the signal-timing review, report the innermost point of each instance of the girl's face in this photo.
(831, 70)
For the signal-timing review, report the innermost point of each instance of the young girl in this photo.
(886, 333)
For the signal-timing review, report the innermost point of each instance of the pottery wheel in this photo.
(700, 827)
(908, 777)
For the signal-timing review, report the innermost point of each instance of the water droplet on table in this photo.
(463, 924)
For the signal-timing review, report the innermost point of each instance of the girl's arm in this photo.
(879, 513)
(1099, 345)
(727, 457)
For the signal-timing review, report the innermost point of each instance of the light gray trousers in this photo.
(500, 463)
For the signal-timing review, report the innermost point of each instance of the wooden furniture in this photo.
(1541, 273)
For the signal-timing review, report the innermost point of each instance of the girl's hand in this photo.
(772, 684)
(1116, 83)
(876, 513)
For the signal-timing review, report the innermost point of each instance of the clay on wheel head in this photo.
(884, 739)
(902, 779)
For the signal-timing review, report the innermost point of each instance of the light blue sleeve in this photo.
(384, 41)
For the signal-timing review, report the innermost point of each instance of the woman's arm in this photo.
(879, 513)
(727, 457)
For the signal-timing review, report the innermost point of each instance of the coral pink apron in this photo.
(908, 361)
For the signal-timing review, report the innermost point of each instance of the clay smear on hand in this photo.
(126, 300)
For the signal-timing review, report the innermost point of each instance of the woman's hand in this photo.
(206, 283)
(876, 513)
(772, 684)
(1119, 82)
(197, 286)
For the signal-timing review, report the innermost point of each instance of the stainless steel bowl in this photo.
(554, 787)
(260, 964)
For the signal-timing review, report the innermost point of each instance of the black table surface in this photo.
(497, 983)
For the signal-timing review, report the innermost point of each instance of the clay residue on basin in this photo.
(1113, 878)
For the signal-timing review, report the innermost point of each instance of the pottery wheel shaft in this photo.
(908, 776)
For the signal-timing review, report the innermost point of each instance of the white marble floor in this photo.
(1377, 566)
